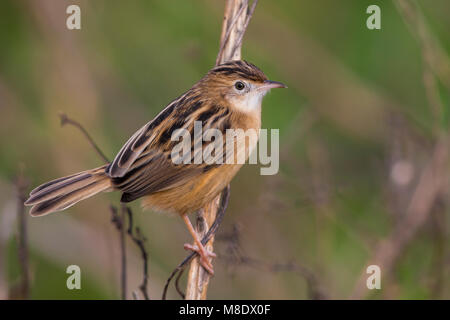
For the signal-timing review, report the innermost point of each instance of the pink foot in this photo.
(204, 255)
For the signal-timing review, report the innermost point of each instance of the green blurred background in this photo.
(358, 125)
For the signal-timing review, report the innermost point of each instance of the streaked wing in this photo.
(144, 163)
(140, 140)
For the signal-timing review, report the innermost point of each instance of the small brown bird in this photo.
(228, 97)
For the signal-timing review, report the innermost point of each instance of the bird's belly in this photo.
(194, 194)
(200, 190)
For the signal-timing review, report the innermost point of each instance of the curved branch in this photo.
(225, 197)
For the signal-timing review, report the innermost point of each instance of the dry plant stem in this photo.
(235, 257)
(432, 179)
(66, 120)
(21, 187)
(439, 252)
(227, 29)
(123, 251)
(236, 18)
(119, 222)
(427, 190)
(432, 51)
(225, 197)
(315, 291)
(177, 284)
(198, 278)
(432, 56)
(139, 240)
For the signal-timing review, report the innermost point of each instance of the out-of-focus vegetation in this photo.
(357, 131)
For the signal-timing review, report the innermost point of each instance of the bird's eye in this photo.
(239, 85)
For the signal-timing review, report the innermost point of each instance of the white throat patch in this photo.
(250, 101)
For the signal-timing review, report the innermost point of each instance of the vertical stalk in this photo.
(236, 18)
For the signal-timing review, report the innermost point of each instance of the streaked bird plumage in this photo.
(143, 167)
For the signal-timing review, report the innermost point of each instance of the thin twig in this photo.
(198, 277)
(118, 221)
(177, 284)
(315, 290)
(247, 21)
(139, 239)
(424, 196)
(23, 253)
(236, 257)
(439, 250)
(136, 235)
(227, 34)
(225, 197)
(66, 120)
(236, 19)
(432, 178)
(432, 51)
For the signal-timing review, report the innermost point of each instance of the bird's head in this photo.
(241, 84)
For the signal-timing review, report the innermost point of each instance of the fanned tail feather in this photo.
(63, 193)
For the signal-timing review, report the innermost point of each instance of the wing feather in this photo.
(143, 165)
(140, 140)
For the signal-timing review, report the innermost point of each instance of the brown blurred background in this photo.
(363, 144)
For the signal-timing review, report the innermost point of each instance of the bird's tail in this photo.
(63, 193)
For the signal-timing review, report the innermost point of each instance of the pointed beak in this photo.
(269, 84)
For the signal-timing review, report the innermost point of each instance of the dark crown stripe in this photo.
(242, 69)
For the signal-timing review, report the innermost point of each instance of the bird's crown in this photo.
(239, 69)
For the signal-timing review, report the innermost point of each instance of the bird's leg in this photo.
(199, 247)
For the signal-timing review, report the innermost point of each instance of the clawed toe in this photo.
(188, 246)
(204, 255)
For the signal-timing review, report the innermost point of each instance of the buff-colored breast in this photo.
(196, 193)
